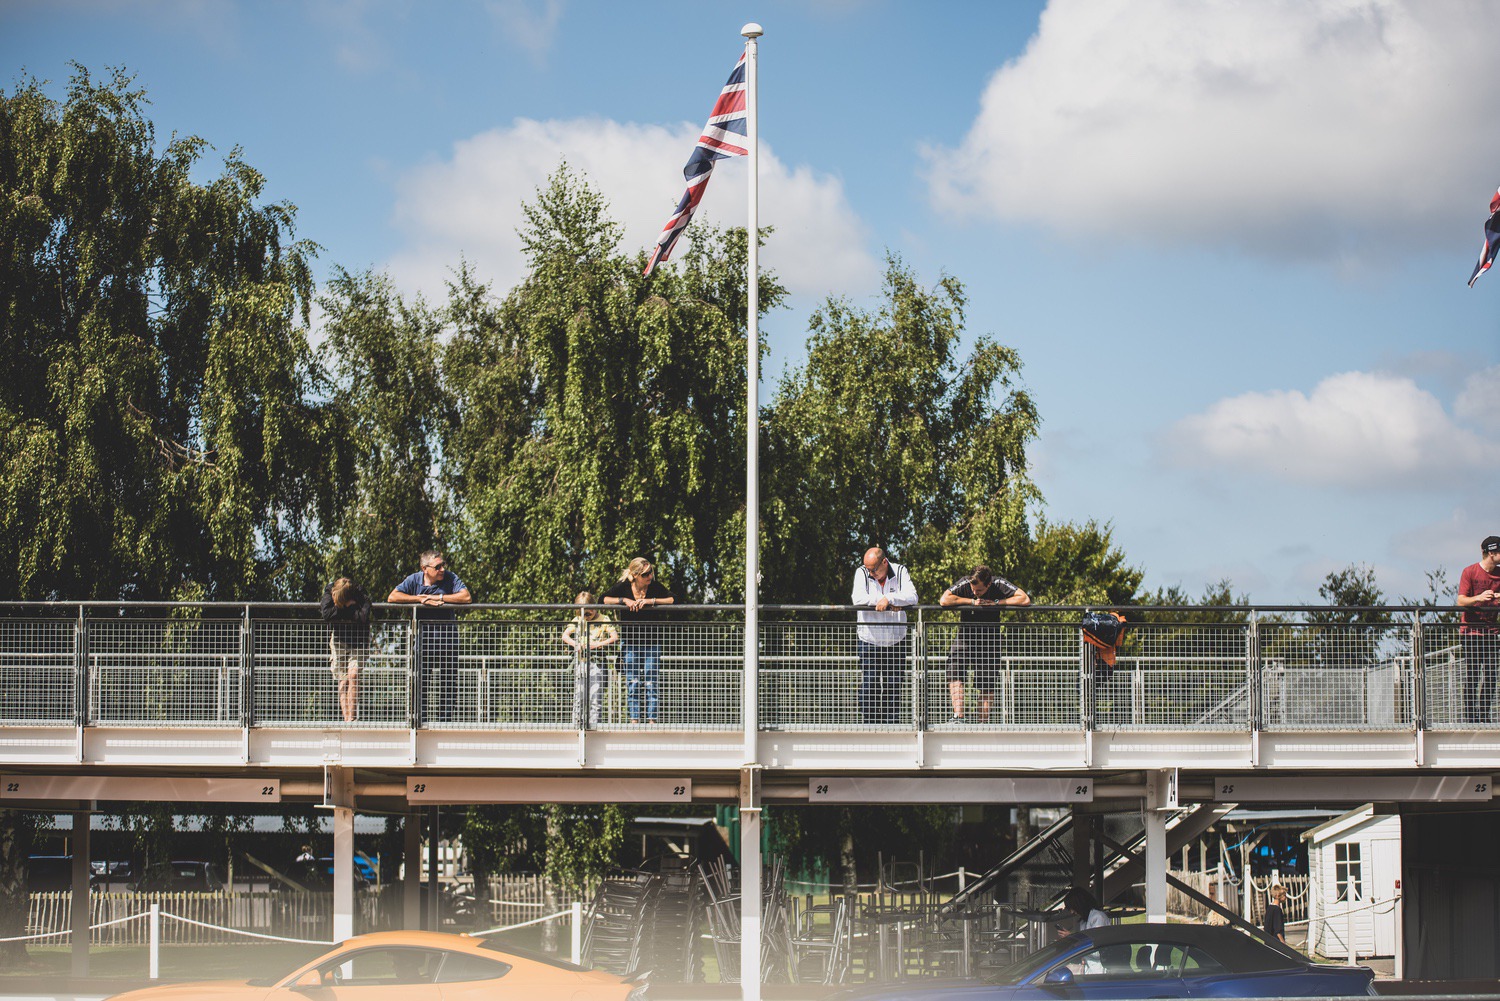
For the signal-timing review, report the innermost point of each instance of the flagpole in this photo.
(750, 817)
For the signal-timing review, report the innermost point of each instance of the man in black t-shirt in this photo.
(977, 646)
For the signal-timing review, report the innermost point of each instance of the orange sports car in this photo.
(417, 966)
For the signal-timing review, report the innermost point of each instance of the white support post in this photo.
(577, 955)
(411, 883)
(153, 962)
(343, 854)
(343, 873)
(750, 691)
(750, 880)
(1156, 866)
(750, 869)
(80, 898)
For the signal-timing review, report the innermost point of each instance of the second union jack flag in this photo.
(1491, 241)
(725, 135)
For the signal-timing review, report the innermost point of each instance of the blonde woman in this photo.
(588, 633)
(640, 595)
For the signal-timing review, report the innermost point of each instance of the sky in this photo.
(1229, 240)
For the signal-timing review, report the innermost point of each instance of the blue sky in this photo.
(1229, 240)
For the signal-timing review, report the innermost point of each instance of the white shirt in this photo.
(867, 591)
(1096, 919)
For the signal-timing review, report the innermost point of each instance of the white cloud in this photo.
(1356, 429)
(1338, 128)
(1479, 402)
(530, 25)
(469, 203)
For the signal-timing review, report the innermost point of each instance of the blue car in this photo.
(1144, 961)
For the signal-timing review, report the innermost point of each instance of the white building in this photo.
(1354, 872)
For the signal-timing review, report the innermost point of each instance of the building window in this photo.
(1346, 871)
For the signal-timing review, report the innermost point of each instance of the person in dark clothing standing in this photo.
(1274, 922)
(976, 648)
(436, 589)
(346, 609)
(640, 594)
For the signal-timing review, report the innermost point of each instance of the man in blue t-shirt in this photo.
(435, 588)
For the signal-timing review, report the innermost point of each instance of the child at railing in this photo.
(589, 632)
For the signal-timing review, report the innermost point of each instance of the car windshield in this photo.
(1038, 960)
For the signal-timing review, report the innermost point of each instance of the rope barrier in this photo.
(69, 931)
(523, 924)
(876, 886)
(237, 931)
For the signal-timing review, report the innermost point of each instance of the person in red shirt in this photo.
(1479, 596)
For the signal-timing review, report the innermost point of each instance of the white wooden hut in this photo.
(1354, 869)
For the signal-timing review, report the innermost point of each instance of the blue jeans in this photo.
(881, 669)
(642, 660)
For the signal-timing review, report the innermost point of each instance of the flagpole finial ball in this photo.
(752, 30)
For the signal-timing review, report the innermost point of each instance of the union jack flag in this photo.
(725, 135)
(1491, 241)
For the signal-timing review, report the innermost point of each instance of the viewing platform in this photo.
(247, 688)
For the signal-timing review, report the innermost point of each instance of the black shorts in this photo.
(976, 651)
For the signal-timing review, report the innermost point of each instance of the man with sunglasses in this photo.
(436, 589)
(882, 592)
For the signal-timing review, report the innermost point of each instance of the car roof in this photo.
(464, 943)
(1236, 951)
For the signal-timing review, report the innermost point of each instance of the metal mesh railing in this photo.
(1461, 672)
(510, 668)
(38, 672)
(160, 672)
(1336, 676)
(1018, 674)
(299, 665)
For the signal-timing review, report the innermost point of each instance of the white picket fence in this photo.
(293, 914)
(514, 898)
(1183, 906)
(521, 896)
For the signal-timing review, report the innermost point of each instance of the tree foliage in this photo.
(155, 428)
(601, 413)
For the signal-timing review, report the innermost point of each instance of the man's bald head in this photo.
(875, 563)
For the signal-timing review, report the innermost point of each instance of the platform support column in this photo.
(341, 781)
(411, 885)
(750, 880)
(80, 904)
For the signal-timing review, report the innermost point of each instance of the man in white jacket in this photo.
(882, 592)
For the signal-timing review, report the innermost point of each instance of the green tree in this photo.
(155, 434)
(601, 413)
(388, 410)
(888, 437)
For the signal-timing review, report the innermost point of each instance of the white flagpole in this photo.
(750, 827)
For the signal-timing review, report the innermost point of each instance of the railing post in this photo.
(247, 670)
(581, 669)
(1085, 683)
(153, 969)
(1418, 674)
(1255, 675)
(577, 917)
(414, 668)
(81, 669)
(919, 673)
